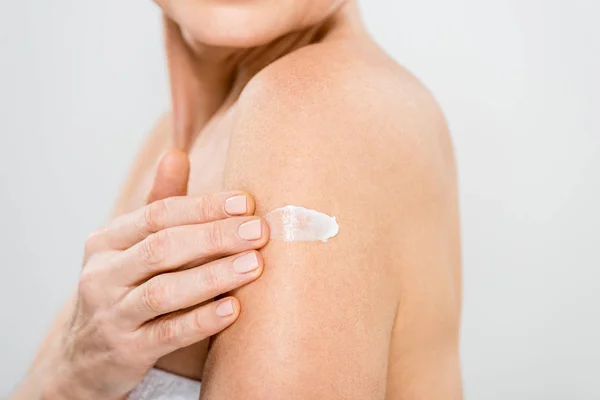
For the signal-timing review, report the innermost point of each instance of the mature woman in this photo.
(275, 103)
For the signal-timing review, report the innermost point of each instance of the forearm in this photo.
(41, 384)
(35, 383)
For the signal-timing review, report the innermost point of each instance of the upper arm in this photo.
(319, 322)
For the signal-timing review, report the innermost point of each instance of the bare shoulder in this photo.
(343, 127)
(353, 104)
(344, 130)
(344, 118)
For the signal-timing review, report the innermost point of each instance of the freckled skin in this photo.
(320, 117)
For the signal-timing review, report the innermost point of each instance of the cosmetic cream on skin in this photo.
(299, 224)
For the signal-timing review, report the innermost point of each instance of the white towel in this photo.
(161, 385)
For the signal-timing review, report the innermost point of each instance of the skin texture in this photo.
(292, 101)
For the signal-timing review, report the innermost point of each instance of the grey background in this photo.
(81, 82)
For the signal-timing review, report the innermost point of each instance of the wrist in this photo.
(63, 385)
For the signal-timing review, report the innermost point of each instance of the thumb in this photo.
(171, 177)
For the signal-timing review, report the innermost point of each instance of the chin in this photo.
(244, 24)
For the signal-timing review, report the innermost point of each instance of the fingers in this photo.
(129, 229)
(175, 291)
(175, 331)
(172, 248)
(171, 177)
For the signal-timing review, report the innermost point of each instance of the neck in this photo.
(205, 79)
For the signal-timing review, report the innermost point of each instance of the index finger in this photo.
(129, 229)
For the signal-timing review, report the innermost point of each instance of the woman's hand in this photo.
(147, 287)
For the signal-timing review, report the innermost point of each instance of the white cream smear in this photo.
(299, 224)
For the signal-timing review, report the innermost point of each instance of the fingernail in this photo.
(236, 205)
(246, 263)
(225, 309)
(251, 230)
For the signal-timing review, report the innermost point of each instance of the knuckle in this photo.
(211, 279)
(214, 237)
(155, 296)
(93, 241)
(167, 331)
(155, 215)
(153, 249)
(205, 208)
(200, 324)
(87, 284)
